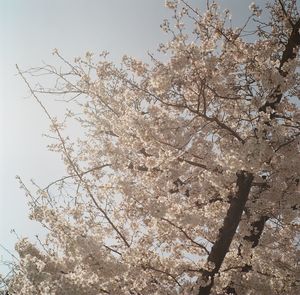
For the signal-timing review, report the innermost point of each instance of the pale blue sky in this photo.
(29, 30)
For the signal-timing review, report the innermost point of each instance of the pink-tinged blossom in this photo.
(186, 177)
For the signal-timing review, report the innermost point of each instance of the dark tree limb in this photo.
(227, 231)
(288, 53)
(257, 228)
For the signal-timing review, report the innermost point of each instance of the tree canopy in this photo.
(184, 178)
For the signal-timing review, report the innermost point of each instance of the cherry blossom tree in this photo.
(185, 179)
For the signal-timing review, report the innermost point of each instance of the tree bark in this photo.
(227, 231)
(257, 226)
(288, 53)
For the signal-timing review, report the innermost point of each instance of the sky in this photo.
(29, 31)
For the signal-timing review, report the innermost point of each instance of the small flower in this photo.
(54, 51)
(165, 25)
(255, 9)
(171, 4)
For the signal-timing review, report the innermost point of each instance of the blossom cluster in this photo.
(165, 156)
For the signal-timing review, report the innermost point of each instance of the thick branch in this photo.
(256, 231)
(226, 233)
(257, 228)
(289, 53)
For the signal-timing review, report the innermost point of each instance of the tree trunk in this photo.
(227, 231)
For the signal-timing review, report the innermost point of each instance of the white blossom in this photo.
(186, 173)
